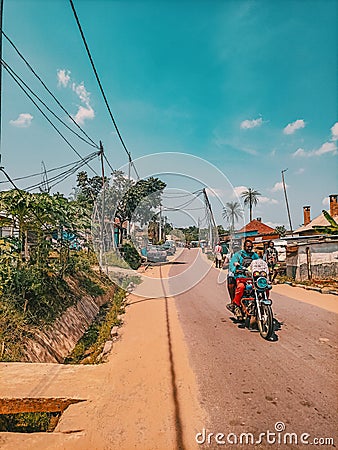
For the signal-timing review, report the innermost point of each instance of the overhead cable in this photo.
(45, 116)
(91, 156)
(100, 86)
(14, 74)
(47, 89)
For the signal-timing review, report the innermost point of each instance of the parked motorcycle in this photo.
(255, 302)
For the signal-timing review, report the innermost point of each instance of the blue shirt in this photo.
(241, 257)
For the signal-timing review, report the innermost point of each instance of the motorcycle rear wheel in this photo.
(266, 324)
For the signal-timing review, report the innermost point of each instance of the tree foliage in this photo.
(250, 198)
(331, 228)
(281, 230)
(232, 212)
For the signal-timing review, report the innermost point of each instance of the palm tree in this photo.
(250, 198)
(232, 212)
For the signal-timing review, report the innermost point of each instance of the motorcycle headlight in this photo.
(263, 274)
(256, 273)
(262, 283)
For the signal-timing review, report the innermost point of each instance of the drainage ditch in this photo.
(32, 415)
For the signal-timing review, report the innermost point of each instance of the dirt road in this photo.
(182, 367)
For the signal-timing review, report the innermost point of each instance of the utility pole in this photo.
(286, 201)
(1, 17)
(160, 225)
(101, 153)
(212, 219)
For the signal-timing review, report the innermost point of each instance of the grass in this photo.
(92, 342)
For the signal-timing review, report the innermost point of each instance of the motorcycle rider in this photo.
(240, 260)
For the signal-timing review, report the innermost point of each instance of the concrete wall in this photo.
(54, 343)
(316, 260)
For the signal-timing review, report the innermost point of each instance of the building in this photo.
(312, 257)
(311, 254)
(307, 229)
(257, 231)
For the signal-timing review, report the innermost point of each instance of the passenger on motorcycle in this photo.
(239, 263)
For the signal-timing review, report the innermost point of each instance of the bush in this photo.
(131, 256)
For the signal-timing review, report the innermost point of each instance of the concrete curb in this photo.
(312, 288)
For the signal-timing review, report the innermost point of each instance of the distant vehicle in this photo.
(170, 247)
(156, 254)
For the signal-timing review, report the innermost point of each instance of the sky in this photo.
(246, 88)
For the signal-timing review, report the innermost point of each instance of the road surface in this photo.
(183, 370)
(247, 384)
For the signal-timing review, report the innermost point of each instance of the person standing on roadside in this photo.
(218, 256)
(271, 258)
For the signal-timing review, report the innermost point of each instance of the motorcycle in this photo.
(255, 302)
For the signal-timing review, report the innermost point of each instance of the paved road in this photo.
(248, 384)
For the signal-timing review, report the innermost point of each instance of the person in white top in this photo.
(218, 255)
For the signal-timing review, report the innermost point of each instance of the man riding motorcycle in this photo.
(239, 262)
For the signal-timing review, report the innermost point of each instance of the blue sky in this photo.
(249, 86)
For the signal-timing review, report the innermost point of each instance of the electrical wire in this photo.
(49, 170)
(63, 175)
(47, 89)
(14, 74)
(111, 168)
(46, 117)
(20, 193)
(100, 86)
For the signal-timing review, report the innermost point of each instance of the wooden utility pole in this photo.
(212, 220)
(101, 153)
(1, 17)
(286, 201)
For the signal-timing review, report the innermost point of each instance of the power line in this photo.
(101, 88)
(20, 193)
(50, 170)
(47, 89)
(111, 168)
(63, 175)
(14, 74)
(46, 117)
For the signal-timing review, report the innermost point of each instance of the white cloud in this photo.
(327, 147)
(238, 190)
(299, 152)
(267, 200)
(246, 124)
(334, 131)
(63, 76)
(23, 121)
(294, 126)
(326, 201)
(300, 171)
(278, 186)
(83, 114)
(82, 93)
(274, 224)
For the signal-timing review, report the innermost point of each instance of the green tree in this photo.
(331, 228)
(250, 198)
(281, 230)
(88, 189)
(232, 212)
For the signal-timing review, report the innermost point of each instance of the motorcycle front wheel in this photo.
(266, 324)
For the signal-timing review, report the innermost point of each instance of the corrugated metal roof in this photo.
(317, 221)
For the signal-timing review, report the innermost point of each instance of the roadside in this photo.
(145, 397)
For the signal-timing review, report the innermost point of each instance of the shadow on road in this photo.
(277, 326)
(178, 419)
